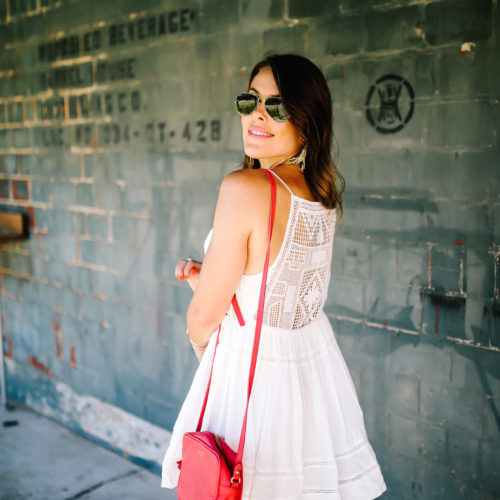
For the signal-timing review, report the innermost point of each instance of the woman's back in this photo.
(293, 182)
(299, 274)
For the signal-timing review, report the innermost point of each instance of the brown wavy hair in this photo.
(307, 99)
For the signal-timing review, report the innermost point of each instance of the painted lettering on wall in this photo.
(110, 71)
(82, 75)
(114, 135)
(101, 103)
(71, 76)
(131, 31)
(89, 105)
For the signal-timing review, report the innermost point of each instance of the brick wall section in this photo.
(116, 128)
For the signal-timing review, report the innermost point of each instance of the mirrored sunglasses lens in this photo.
(276, 109)
(245, 103)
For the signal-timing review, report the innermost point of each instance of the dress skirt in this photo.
(305, 436)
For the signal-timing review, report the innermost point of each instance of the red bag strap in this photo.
(237, 474)
(203, 407)
(237, 311)
(236, 479)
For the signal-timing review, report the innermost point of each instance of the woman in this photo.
(305, 436)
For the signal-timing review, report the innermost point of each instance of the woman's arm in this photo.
(226, 256)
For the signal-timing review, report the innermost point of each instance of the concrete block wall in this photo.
(116, 128)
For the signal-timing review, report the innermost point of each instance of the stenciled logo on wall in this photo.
(395, 104)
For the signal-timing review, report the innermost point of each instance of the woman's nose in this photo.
(261, 111)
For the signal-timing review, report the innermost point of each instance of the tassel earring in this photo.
(250, 162)
(299, 160)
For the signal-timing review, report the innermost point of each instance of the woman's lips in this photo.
(259, 132)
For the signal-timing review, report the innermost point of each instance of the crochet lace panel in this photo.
(297, 287)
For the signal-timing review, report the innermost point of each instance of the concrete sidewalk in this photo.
(40, 459)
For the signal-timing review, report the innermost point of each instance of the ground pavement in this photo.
(42, 460)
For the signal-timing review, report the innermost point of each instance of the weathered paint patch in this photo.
(35, 363)
(20, 190)
(467, 48)
(59, 340)
(105, 423)
(9, 353)
(72, 357)
(436, 330)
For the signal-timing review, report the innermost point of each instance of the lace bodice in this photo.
(298, 279)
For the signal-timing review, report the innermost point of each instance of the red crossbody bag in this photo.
(210, 469)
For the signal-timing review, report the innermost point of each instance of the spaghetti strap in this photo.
(282, 181)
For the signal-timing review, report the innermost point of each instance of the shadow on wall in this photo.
(430, 304)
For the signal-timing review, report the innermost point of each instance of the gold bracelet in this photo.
(194, 343)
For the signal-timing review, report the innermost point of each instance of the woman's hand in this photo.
(188, 270)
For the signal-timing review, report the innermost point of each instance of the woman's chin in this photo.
(255, 153)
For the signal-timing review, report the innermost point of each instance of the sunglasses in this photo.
(247, 103)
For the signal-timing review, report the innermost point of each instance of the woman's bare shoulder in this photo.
(240, 199)
(247, 183)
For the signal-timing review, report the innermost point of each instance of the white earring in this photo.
(300, 159)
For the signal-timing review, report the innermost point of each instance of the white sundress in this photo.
(305, 437)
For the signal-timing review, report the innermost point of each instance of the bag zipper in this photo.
(219, 447)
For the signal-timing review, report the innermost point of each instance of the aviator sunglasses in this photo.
(247, 103)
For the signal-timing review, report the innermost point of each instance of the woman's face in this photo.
(267, 140)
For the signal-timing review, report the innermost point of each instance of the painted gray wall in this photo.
(116, 129)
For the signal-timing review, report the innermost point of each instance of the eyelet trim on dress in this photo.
(360, 475)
